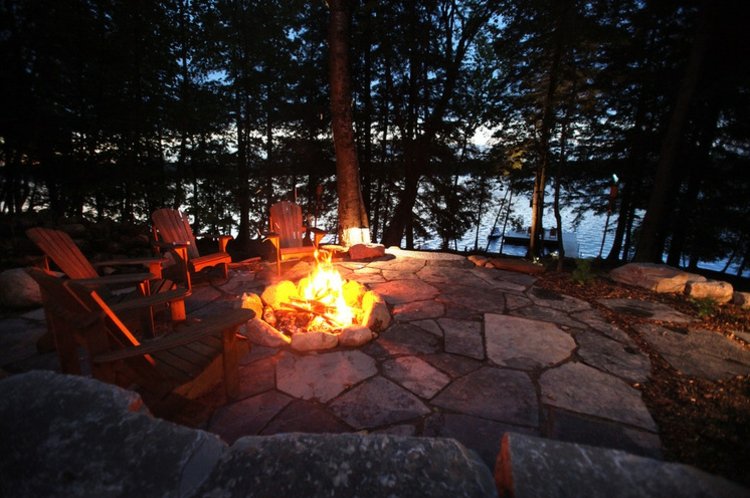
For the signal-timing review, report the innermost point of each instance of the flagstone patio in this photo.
(471, 353)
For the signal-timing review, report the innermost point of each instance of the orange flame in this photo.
(326, 286)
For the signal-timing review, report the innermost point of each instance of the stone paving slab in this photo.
(502, 277)
(525, 344)
(557, 301)
(646, 309)
(544, 314)
(595, 320)
(463, 337)
(416, 375)
(248, 416)
(454, 365)
(430, 326)
(496, 394)
(257, 377)
(305, 416)
(405, 291)
(578, 428)
(377, 402)
(516, 301)
(322, 376)
(473, 298)
(627, 362)
(471, 352)
(480, 434)
(697, 352)
(418, 310)
(583, 389)
(402, 339)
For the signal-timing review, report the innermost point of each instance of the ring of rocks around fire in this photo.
(286, 315)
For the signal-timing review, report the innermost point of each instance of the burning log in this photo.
(313, 304)
(331, 321)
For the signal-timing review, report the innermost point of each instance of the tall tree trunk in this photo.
(548, 121)
(701, 156)
(351, 210)
(651, 240)
(367, 120)
(417, 152)
(243, 177)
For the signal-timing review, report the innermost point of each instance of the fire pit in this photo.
(321, 311)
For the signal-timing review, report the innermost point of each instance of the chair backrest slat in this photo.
(286, 220)
(173, 226)
(61, 249)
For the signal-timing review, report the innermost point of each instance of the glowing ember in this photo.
(323, 293)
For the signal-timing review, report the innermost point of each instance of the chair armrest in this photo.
(153, 264)
(318, 234)
(130, 261)
(178, 249)
(190, 333)
(151, 300)
(125, 278)
(274, 238)
(171, 245)
(223, 241)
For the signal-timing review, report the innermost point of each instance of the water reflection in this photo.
(589, 232)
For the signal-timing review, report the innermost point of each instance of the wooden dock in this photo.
(549, 241)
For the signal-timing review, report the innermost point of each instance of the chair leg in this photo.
(231, 363)
(177, 310)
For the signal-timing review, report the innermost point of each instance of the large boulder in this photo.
(18, 289)
(65, 435)
(655, 277)
(259, 332)
(715, 290)
(343, 465)
(532, 466)
(359, 252)
(741, 299)
(77, 437)
(514, 264)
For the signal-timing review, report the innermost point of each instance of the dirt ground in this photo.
(701, 423)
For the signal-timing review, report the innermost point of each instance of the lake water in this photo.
(589, 232)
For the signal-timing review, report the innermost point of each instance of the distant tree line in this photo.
(110, 109)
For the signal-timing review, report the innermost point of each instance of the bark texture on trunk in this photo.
(351, 210)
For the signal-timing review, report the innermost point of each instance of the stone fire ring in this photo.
(375, 317)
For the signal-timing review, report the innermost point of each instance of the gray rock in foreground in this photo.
(348, 465)
(72, 436)
(18, 289)
(529, 467)
(64, 435)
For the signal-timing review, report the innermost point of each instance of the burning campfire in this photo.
(322, 311)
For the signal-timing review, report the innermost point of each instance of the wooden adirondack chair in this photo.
(60, 248)
(288, 233)
(187, 362)
(63, 251)
(172, 232)
(64, 336)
